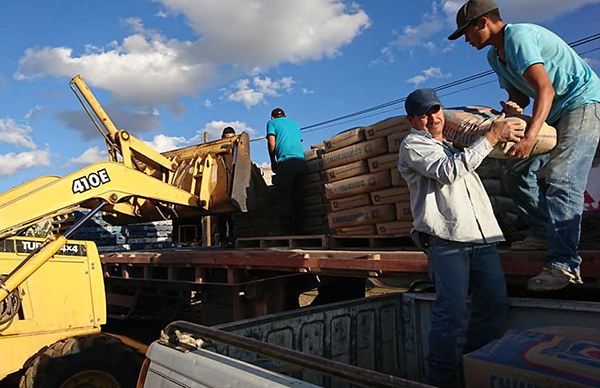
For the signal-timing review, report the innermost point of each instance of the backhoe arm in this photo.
(126, 191)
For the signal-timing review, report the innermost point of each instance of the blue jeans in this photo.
(553, 209)
(453, 266)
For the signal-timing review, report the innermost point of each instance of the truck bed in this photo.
(223, 285)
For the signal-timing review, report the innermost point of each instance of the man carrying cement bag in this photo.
(455, 224)
(532, 62)
(465, 124)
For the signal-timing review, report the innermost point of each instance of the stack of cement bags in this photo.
(111, 238)
(366, 194)
(316, 206)
(490, 172)
(262, 219)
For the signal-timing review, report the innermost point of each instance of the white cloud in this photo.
(208, 104)
(536, 11)
(261, 87)
(162, 143)
(35, 112)
(435, 72)
(245, 94)
(431, 31)
(90, 156)
(15, 134)
(432, 72)
(148, 68)
(267, 32)
(307, 91)
(12, 163)
(145, 69)
(417, 79)
(215, 128)
(431, 23)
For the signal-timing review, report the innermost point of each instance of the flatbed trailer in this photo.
(223, 285)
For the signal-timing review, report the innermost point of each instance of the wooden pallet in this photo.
(370, 242)
(323, 241)
(315, 241)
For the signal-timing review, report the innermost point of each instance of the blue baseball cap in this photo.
(420, 101)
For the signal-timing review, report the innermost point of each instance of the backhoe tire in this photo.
(95, 360)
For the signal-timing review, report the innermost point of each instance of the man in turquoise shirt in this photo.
(287, 161)
(532, 62)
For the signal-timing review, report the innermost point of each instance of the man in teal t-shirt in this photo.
(532, 62)
(287, 161)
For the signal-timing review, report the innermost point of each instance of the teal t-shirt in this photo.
(288, 139)
(575, 83)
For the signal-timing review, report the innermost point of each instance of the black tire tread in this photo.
(58, 359)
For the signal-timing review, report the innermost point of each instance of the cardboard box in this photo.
(361, 230)
(366, 215)
(350, 202)
(359, 151)
(357, 185)
(387, 127)
(391, 195)
(403, 212)
(344, 139)
(397, 228)
(346, 171)
(383, 162)
(394, 140)
(534, 359)
(397, 180)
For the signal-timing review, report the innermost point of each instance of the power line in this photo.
(324, 124)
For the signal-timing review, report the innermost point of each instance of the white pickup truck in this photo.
(373, 342)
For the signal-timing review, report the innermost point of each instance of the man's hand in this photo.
(505, 130)
(523, 148)
(511, 108)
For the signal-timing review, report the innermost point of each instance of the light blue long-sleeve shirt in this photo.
(447, 198)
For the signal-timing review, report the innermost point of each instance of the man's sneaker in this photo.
(552, 279)
(530, 243)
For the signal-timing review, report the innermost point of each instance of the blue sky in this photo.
(169, 70)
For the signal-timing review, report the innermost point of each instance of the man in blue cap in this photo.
(533, 63)
(455, 225)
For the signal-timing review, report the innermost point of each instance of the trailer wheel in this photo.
(89, 361)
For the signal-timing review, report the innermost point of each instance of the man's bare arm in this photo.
(517, 101)
(271, 149)
(537, 78)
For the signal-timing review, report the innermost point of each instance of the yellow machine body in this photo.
(63, 298)
(60, 282)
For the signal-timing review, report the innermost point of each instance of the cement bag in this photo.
(465, 124)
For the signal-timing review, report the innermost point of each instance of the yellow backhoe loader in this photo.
(52, 300)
